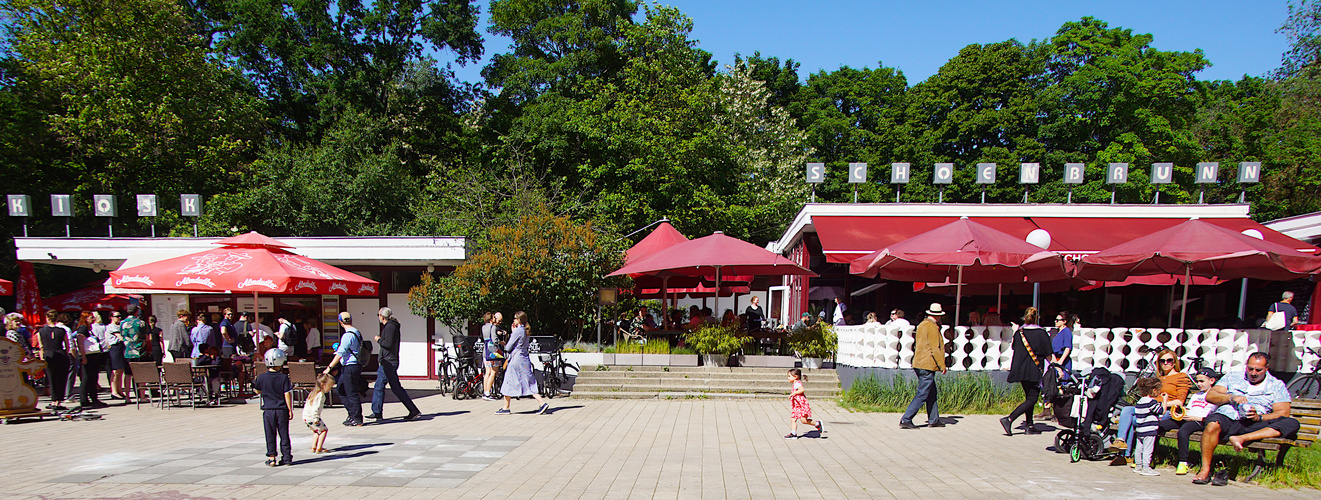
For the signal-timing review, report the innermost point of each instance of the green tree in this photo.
(546, 265)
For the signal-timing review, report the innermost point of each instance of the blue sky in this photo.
(1238, 37)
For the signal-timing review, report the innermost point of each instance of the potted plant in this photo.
(716, 343)
(814, 343)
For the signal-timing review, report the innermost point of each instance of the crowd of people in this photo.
(1238, 408)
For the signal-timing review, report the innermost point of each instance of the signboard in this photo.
(19, 205)
(816, 173)
(264, 304)
(899, 173)
(1208, 172)
(986, 173)
(103, 205)
(1162, 173)
(146, 205)
(857, 173)
(1073, 173)
(1249, 172)
(944, 174)
(1116, 173)
(190, 205)
(1029, 173)
(61, 205)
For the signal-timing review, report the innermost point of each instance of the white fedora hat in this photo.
(935, 310)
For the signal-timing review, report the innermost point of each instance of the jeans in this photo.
(75, 369)
(926, 394)
(348, 383)
(1031, 392)
(387, 372)
(91, 372)
(276, 422)
(1126, 421)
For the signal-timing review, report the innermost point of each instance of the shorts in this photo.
(1286, 426)
(316, 425)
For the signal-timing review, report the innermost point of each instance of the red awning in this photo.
(844, 238)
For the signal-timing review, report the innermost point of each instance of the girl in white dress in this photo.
(312, 411)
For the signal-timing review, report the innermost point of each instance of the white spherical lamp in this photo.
(1039, 238)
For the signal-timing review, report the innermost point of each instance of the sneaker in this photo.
(412, 416)
(1031, 430)
(1181, 469)
(544, 407)
(1129, 461)
(1118, 444)
(818, 427)
(1220, 478)
(374, 416)
(907, 425)
(487, 397)
(502, 411)
(790, 436)
(1148, 472)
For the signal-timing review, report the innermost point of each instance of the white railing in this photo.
(1117, 349)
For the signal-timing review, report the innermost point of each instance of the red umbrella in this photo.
(92, 298)
(962, 251)
(664, 236)
(247, 263)
(716, 253)
(1198, 248)
(6, 287)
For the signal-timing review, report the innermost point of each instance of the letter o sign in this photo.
(103, 205)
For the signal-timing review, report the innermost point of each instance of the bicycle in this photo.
(447, 369)
(1308, 386)
(551, 378)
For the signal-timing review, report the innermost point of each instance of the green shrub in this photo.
(656, 346)
(716, 339)
(683, 350)
(628, 348)
(962, 393)
(816, 341)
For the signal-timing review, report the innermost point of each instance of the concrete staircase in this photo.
(646, 382)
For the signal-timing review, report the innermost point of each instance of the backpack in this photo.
(364, 353)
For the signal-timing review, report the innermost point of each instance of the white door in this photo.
(413, 343)
(364, 318)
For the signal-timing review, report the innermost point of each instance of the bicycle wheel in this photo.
(1306, 387)
(552, 385)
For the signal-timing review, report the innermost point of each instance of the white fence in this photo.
(1116, 349)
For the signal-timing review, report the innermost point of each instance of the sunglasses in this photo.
(1167, 361)
(1059, 319)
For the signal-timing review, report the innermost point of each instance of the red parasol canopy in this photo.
(664, 236)
(1199, 248)
(253, 263)
(6, 287)
(717, 254)
(92, 298)
(962, 251)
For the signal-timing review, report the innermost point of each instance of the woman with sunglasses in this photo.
(1174, 390)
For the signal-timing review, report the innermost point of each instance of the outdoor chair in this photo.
(303, 377)
(178, 377)
(146, 378)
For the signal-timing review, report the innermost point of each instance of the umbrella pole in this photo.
(958, 298)
(717, 312)
(665, 300)
(998, 289)
(1187, 281)
(1169, 317)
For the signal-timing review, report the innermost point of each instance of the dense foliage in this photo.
(321, 117)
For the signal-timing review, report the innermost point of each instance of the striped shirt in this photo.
(1146, 417)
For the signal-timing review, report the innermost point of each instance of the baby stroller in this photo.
(1091, 411)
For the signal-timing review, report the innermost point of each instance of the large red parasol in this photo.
(92, 298)
(247, 263)
(664, 236)
(6, 287)
(962, 252)
(1198, 248)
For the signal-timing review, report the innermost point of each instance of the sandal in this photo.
(271, 462)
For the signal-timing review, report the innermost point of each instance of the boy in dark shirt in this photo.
(277, 407)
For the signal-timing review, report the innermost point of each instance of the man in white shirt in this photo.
(840, 309)
(897, 320)
(313, 338)
(286, 334)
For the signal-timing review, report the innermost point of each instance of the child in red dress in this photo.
(802, 411)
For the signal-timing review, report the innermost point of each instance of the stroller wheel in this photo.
(1064, 440)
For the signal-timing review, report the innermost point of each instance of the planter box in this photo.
(655, 360)
(586, 358)
(683, 360)
(768, 361)
(812, 363)
(715, 360)
(628, 359)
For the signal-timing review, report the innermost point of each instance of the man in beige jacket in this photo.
(928, 358)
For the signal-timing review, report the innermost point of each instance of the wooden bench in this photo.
(1308, 414)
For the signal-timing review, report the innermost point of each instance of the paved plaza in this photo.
(583, 449)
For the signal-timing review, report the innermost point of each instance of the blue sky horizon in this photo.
(1238, 37)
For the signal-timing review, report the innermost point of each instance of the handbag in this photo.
(1276, 321)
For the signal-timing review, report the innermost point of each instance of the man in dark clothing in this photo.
(387, 371)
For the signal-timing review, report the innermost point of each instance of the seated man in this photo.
(641, 324)
(1254, 405)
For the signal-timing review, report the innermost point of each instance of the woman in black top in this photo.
(1031, 350)
(755, 314)
(53, 344)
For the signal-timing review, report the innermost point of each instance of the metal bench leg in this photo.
(1257, 466)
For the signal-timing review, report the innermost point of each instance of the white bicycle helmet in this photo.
(275, 357)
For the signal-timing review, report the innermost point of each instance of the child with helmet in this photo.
(277, 405)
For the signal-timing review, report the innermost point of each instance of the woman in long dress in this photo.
(519, 380)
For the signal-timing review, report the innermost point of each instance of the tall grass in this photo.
(961, 393)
